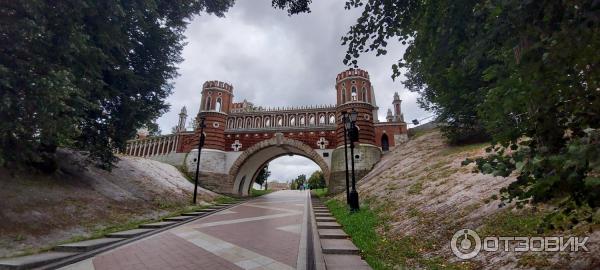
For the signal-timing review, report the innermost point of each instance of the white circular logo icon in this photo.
(465, 244)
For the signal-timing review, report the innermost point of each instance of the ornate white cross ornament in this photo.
(322, 143)
(236, 146)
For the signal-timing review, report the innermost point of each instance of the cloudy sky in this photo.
(272, 59)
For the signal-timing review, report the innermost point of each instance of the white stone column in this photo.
(176, 143)
(154, 146)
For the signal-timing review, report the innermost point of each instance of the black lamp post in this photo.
(353, 135)
(200, 144)
(346, 123)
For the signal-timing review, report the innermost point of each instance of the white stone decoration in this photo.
(322, 143)
(236, 146)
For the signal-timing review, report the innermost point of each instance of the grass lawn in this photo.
(381, 250)
(259, 192)
(320, 192)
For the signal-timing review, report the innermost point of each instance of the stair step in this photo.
(323, 215)
(328, 225)
(195, 214)
(339, 246)
(343, 262)
(129, 233)
(325, 219)
(332, 234)
(88, 245)
(157, 225)
(178, 218)
(32, 261)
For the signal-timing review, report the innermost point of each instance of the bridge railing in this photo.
(152, 146)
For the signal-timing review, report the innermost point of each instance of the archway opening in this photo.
(385, 143)
(288, 172)
(249, 164)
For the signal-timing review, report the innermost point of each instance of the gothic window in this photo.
(364, 94)
(292, 121)
(218, 105)
(322, 120)
(354, 93)
(331, 119)
(311, 120)
(279, 121)
(267, 122)
(208, 102)
(302, 122)
(239, 123)
(343, 95)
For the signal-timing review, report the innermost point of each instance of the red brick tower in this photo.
(354, 91)
(216, 103)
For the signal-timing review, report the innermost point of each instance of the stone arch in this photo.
(243, 171)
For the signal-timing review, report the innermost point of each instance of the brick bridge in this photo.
(242, 138)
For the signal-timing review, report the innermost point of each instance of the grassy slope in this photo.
(418, 195)
(40, 211)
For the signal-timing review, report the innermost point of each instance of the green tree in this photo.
(316, 180)
(524, 72)
(87, 74)
(262, 176)
(299, 181)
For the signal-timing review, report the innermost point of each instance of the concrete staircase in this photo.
(72, 252)
(338, 250)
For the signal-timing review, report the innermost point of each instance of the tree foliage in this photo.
(298, 182)
(87, 74)
(316, 180)
(523, 72)
(263, 175)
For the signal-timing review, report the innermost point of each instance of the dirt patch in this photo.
(426, 193)
(38, 211)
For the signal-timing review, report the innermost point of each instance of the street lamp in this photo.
(200, 144)
(346, 122)
(353, 135)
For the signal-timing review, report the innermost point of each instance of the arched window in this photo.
(267, 122)
(311, 120)
(230, 123)
(208, 102)
(385, 143)
(322, 120)
(248, 123)
(364, 94)
(257, 122)
(279, 121)
(302, 121)
(292, 121)
(239, 123)
(343, 95)
(354, 93)
(331, 119)
(218, 105)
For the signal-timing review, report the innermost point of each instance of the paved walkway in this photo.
(265, 233)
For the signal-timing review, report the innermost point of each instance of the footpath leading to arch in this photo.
(269, 232)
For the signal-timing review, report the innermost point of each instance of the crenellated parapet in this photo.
(352, 73)
(218, 85)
